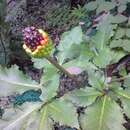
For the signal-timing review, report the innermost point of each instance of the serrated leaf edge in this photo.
(22, 117)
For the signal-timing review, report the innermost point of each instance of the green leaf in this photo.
(116, 43)
(85, 52)
(126, 45)
(16, 118)
(83, 97)
(125, 99)
(105, 6)
(49, 79)
(49, 69)
(45, 122)
(50, 88)
(122, 71)
(103, 58)
(116, 55)
(118, 19)
(122, 8)
(68, 39)
(105, 32)
(115, 85)
(128, 21)
(81, 62)
(73, 51)
(127, 82)
(120, 33)
(75, 36)
(13, 80)
(103, 115)
(128, 33)
(123, 1)
(61, 111)
(91, 6)
(96, 79)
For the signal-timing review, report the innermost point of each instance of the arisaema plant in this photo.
(99, 103)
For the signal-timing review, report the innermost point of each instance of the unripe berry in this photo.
(36, 42)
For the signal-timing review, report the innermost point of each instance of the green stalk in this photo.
(59, 67)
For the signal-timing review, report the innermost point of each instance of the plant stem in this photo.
(59, 67)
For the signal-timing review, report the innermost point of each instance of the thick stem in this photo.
(59, 67)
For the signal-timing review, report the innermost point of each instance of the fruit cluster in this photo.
(36, 42)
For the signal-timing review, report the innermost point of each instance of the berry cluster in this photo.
(36, 42)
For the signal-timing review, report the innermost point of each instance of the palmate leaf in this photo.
(14, 81)
(83, 97)
(103, 115)
(60, 111)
